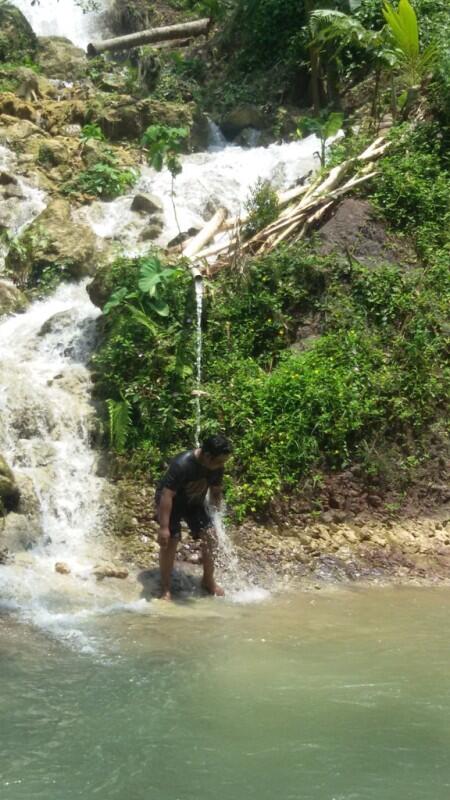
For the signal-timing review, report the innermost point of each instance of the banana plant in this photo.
(404, 30)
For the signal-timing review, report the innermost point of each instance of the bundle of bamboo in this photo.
(296, 217)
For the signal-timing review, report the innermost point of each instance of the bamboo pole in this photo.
(179, 31)
(198, 242)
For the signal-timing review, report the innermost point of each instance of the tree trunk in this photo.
(181, 31)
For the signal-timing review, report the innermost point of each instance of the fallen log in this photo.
(168, 32)
(198, 242)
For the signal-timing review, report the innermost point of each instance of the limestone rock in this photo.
(9, 491)
(122, 117)
(53, 152)
(146, 203)
(12, 299)
(14, 131)
(243, 116)
(17, 38)
(59, 58)
(54, 240)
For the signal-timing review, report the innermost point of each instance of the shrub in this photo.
(262, 208)
(104, 179)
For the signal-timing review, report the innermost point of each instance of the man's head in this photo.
(215, 450)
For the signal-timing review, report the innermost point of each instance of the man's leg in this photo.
(166, 562)
(208, 544)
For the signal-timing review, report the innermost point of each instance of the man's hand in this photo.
(164, 537)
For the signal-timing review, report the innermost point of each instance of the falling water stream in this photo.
(337, 694)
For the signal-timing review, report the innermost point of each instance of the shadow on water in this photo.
(185, 587)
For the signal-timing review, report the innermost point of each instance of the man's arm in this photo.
(164, 512)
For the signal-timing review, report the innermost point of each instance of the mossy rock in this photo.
(59, 58)
(124, 117)
(17, 38)
(53, 246)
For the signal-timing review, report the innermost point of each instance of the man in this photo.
(181, 496)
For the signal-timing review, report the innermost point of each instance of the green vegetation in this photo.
(262, 208)
(164, 145)
(326, 363)
(105, 179)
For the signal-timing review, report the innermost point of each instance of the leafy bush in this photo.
(413, 190)
(262, 208)
(104, 179)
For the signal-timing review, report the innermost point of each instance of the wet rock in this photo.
(9, 491)
(12, 300)
(54, 240)
(59, 58)
(243, 116)
(152, 231)
(110, 571)
(183, 237)
(19, 533)
(62, 568)
(146, 203)
(29, 504)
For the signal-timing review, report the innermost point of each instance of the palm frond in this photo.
(119, 412)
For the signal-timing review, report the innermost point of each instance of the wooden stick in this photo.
(197, 243)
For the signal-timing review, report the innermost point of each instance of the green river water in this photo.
(341, 694)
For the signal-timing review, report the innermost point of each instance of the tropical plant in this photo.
(92, 131)
(164, 145)
(119, 413)
(404, 30)
(324, 127)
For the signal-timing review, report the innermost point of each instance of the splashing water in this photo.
(198, 283)
(240, 587)
(46, 425)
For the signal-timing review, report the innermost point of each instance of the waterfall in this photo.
(47, 423)
(66, 18)
(198, 283)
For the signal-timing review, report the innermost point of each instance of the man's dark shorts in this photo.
(196, 517)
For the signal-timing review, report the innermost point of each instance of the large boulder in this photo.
(17, 39)
(59, 58)
(9, 491)
(19, 533)
(12, 299)
(124, 117)
(356, 228)
(54, 243)
(241, 117)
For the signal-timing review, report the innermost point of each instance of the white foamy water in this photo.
(66, 18)
(222, 176)
(46, 425)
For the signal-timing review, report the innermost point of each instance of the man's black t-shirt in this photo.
(189, 479)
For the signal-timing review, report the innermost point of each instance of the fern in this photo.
(119, 423)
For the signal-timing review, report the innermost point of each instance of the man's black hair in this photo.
(217, 445)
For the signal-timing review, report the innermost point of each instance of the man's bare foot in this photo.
(213, 588)
(166, 596)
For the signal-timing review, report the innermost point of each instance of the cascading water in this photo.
(220, 177)
(198, 284)
(45, 432)
(66, 18)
